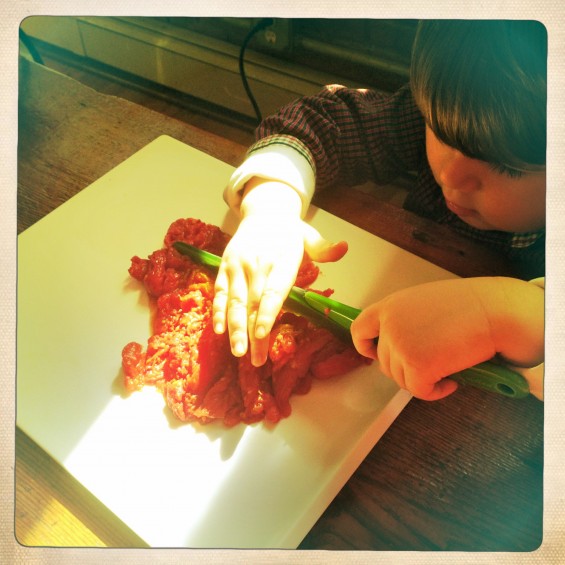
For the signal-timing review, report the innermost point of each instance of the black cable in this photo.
(264, 23)
(24, 38)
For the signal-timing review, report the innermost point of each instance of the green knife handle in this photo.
(494, 378)
(488, 375)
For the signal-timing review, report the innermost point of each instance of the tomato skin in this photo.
(133, 364)
(193, 366)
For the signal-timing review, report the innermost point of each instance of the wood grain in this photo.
(70, 135)
(53, 509)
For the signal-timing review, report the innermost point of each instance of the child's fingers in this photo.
(220, 304)
(259, 349)
(396, 370)
(364, 329)
(321, 250)
(276, 289)
(255, 289)
(425, 389)
(258, 345)
(366, 347)
(237, 312)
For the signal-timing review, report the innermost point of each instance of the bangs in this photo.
(487, 98)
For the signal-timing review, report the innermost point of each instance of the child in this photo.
(472, 125)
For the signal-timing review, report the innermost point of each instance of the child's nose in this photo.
(460, 172)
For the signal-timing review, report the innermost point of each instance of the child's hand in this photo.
(433, 330)
(260, 264)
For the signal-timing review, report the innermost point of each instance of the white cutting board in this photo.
(177, 484)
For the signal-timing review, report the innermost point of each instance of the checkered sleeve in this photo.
(353, 135)
(340, 135)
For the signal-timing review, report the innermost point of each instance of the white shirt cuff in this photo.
(280, 163)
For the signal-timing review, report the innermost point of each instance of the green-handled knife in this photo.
(338, 318)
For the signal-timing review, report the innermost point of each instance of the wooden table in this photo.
(464, 473)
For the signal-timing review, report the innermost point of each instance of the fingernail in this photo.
(258, 361)
(239, 349)
(260, 332)
(219, 328)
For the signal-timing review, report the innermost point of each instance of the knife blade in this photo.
(338, 317)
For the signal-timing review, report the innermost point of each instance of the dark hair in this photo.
(482, 88)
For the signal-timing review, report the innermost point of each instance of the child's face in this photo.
(483, 197)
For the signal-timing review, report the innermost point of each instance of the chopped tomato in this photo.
(193, 367)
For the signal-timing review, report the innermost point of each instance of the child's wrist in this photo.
(516, 314)
(268, 197)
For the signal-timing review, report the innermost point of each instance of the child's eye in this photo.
(505, 170)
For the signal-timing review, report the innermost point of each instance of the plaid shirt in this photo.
(351, 136)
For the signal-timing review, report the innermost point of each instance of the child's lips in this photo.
(459, 210)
